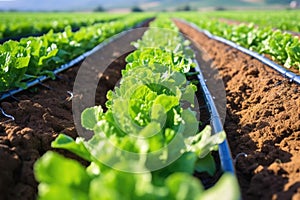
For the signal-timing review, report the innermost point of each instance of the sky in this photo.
(58, 4)
(68, 5)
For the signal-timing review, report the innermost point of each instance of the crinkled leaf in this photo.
(204, 142)
(77, 147)
(91, 116)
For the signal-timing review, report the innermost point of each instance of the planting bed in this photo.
(39, 117)
(41, 113)
(262, 120)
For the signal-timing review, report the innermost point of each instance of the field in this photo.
(179, 105)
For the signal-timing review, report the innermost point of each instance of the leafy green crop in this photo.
(282, 47)
(149, 129)
(34, 56)
(63, 178)
(14, 60)
(285, 20)
(20, 24)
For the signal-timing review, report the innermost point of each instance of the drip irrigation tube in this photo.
(11, 118)
(224, 150)
(283, 71)
(68, 65)
(60, 69)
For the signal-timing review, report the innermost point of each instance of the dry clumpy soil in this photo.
(39, 117)
(41, 113)
(262, 120)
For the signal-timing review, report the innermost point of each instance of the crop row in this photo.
(150, 115)
(34, 56)
(22, 24)
(282, 47)
(285, 20)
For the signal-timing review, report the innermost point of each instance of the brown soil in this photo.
(40, 115)
(293, 69)
(39, 118)
(262, 120)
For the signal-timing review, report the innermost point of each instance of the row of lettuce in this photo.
(19, 24)
(30, 57)
(282, 47)
(146, 145)
(285, 20)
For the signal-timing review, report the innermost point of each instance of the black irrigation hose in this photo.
(19, 37)
(69, 64)
(58, 70)
(224, 150)
(283, 71)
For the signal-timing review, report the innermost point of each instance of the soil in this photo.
(39, 118)
(262, 120)
(41, 113)
(293, 69)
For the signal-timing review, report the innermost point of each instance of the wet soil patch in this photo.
(262, 120)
